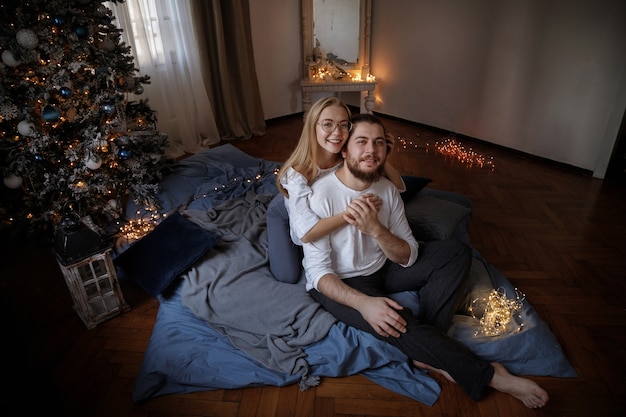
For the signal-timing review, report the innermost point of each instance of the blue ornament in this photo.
(38, 157)
(58, 21)
(65, 92)
(81, 32)
(124, 153)
(50, 113)
(108, 108)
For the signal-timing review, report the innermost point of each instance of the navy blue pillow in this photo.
(413, 186)
(169, 250)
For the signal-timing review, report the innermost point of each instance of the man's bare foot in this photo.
(525, 390)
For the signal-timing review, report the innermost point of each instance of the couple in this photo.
(358, 248)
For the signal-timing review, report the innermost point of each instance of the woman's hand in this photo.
(374, 199)
(391, 142)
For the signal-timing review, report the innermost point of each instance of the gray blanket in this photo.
(233, 290)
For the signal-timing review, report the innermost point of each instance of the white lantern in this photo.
(89, 272)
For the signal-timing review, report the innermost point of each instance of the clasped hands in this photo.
(363, 213)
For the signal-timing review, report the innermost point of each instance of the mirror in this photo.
(336, 29)
(339, 30)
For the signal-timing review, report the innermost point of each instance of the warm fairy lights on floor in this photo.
(452, 148)
(135, 229)
(497, 314)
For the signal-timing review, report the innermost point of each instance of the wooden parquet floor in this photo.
(555, 232)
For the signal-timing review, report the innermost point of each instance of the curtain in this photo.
(160, 35)
(223, 30)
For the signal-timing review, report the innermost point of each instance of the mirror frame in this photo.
(365, 17)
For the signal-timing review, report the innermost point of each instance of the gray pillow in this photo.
(432, 218)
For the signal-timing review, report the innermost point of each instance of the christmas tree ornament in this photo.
(12, 181)
(58, 21)
(26, 38)
(81, 31)
(139, 89)
(93, 162)
(8, 111)
(50, 113)
(38, 157)
(9, 59)
(26, 128)
(108, 108)
(124, 153)
(65, 92)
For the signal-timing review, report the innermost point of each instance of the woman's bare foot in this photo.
(525, 390)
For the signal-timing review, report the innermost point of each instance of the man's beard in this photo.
(358, 173)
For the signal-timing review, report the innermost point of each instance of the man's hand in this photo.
(381, 313)
(363, 214)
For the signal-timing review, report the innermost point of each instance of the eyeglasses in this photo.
(329, 126)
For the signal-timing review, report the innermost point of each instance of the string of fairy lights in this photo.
(497, 314)
(145, 221)
(451, 147)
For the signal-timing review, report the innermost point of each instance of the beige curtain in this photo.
(222, 29)
(165, 49)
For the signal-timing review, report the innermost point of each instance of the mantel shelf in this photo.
(348, 85)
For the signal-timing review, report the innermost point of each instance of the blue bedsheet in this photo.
(186, 355)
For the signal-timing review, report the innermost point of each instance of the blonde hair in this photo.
(304, 157)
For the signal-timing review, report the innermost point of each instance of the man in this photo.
(351, 271)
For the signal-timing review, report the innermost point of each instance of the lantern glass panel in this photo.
(111, 302)
(91, 290)
(105, 285)
(99, 268)
(97, 306)
(85, 272)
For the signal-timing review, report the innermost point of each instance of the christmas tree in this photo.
(69, 131)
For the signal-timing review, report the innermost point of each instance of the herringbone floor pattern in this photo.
(556, 233)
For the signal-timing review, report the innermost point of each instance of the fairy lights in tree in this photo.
(68, 127)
